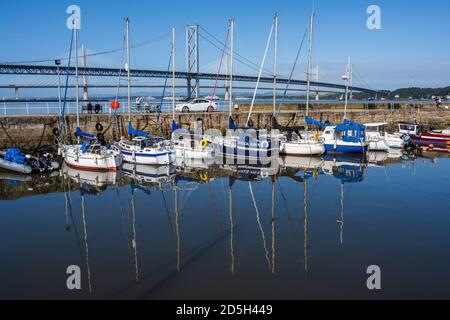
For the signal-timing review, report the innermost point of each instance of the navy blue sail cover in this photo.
(136, 133)
(81, 134)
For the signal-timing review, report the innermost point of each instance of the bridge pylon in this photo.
(192, 61)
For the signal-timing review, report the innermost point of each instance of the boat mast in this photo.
(347, 81)
(308, 75)
(259, 76)
(275, 62)
(173, 74)
(231, 65)
(127, 23)
(76, 76)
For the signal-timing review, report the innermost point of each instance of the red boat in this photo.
(425, 138)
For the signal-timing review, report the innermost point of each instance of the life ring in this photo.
(265, 144)
(56, 132)
(204, 144)
(99, 127)
(203, 176)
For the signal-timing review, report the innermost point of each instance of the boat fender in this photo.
(99, 127)
(316, 137)
(56, 132)
(431, 146)
(204, 144)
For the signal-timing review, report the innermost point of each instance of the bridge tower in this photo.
(192, 61)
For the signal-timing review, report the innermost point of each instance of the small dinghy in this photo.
(14, 160)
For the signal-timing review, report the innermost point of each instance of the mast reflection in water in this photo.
(308, 228)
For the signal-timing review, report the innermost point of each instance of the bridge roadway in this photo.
(111, 72)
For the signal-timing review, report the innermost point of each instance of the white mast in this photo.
(275, 58)
(346, 77)
(127, 22)
(76, 76)
(317, 80)
(231, 65)
(308, 75)
(259, 76)
(173, 73)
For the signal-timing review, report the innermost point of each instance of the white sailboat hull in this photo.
(378, 145)
(302, 148)
(158, 159)
(194, 153)
(109, 160)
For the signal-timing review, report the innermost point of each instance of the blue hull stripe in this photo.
(345, 149)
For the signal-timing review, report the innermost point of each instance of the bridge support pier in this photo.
(16, 91)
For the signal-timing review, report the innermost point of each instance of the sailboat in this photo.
(142, 149)
(348, 137)
(293, 142)
(245, 142)
(94, 154)
(187, 144)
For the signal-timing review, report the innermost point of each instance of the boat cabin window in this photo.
(410, 128)
(375, 129)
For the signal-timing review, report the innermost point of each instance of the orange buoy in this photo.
(115, 105)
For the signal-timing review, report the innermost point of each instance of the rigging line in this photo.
(165, 84)
(259, 76)
(167, 211)
(285, 204)
(67, 86)
(218, 71)
(237, 59)
(228, 49)
(75, 228)
(259, 224)
(248, 62)
(292, 73)
(141, 44)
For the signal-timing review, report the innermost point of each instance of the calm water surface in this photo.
(307, 229)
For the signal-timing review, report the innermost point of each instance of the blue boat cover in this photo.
(349, 174)
(82, 134)
(174, 126)
(313, 122)
(133, 132)
(15, 155)
(84, 146)
(232, 126)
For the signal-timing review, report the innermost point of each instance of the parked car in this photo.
(197, 105)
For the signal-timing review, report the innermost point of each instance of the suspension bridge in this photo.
(47, 76)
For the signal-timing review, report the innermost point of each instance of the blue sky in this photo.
(411, 49)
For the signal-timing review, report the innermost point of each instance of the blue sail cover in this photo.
(133, 132)
(313, 122)
(232, 126)
(174, 126)
(81, 134)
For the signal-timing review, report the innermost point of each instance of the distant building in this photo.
(397, 96)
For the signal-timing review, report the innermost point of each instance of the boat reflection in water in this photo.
(94, 182)
(147, 174)
(348, 170)
(202, 230)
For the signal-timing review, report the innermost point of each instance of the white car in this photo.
(197, 105)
